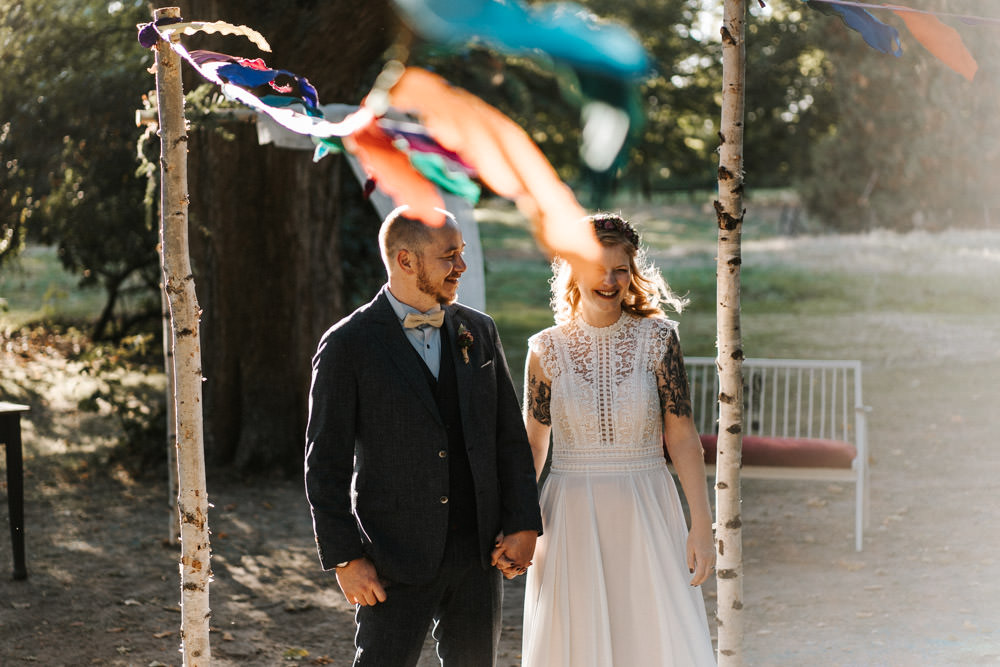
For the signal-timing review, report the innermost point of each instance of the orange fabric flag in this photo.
(393, 173)
(941, 40)
(503, 155)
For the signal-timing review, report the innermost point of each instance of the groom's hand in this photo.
(360, 583)
(513, 552)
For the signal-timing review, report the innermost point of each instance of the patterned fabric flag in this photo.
(601, 60)
(503, 155)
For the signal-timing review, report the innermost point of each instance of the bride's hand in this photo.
(500, 560)
(700, 553)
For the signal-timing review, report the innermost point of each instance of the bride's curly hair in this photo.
(647, 289)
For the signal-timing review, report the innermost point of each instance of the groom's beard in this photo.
(424, 285)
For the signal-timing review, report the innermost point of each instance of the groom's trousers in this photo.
(463, 603)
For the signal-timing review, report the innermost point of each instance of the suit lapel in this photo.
(463, 371)
(389, 333)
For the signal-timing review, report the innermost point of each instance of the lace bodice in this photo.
(605, 407)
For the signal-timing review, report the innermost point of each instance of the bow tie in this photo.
(414, 320)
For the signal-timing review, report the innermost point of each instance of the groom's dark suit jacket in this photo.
(377, 469)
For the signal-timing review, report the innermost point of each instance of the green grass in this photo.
(35, 287)
(788, 308)
(785, 306)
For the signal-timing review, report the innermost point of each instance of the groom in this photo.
(417, 459)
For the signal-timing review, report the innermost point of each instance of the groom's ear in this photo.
(406, 261)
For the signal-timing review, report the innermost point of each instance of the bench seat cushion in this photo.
(789, 452)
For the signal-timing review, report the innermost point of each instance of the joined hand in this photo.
(512, 555)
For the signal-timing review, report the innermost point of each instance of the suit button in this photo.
(442, 454)
(444, 499)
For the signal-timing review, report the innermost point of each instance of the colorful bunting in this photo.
(503, 155)
(461, 136)
(604, 61)
(395, 174)
(942, 41)
(565, 32)
(878, 35)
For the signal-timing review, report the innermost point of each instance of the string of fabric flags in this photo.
(456, 139)
(940, 39)
(459, 138)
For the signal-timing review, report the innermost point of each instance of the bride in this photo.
(615, 574)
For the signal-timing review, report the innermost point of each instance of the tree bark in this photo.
(178, 281)
(168, 369)
(278, 240)
(729, 210)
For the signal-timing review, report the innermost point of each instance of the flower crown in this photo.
(614, 223)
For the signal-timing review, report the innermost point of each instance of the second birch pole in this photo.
(178, 283)
(729, 214)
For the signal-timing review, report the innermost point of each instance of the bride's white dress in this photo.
(610, 584)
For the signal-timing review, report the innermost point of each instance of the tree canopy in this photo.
(71, 77)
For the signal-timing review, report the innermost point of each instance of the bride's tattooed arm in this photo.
(672, 382)
(539, 397)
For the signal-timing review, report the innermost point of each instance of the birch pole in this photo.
(168, 369)
(178, 283)
(729, 215)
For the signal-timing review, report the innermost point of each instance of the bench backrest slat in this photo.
(785, 398)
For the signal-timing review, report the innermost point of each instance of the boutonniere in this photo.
(465, 341)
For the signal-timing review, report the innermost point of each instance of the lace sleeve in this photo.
(543, 347)
(671, 377)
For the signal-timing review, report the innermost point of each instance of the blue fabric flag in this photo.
(878, 35)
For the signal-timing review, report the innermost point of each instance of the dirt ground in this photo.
(103, 582)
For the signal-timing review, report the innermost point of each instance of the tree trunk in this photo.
(168, 369)
(278, 239)
(178, 281)
(729, 210)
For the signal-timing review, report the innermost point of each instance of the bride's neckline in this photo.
(608, 330)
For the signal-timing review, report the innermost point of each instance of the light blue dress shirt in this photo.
(425, 339)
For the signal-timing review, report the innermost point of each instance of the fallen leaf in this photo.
(851, 566)
(161, 635)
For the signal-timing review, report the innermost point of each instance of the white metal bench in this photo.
(803, 420)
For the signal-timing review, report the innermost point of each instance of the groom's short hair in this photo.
(398, 232)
